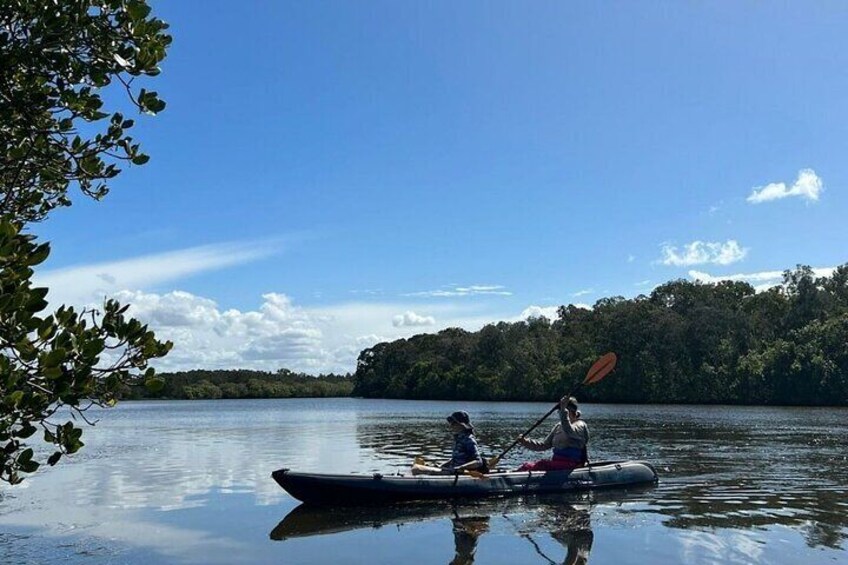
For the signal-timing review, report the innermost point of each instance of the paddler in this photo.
(465, 455)
(568, 439)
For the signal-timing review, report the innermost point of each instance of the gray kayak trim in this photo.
(337, 489)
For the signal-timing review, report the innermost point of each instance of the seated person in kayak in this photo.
(466, 455)
(568, 439)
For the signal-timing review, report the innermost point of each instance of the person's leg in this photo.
(533, 466)
(562, 464)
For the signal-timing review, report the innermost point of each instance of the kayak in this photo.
(320, 488)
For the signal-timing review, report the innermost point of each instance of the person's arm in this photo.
(577, 430)
(535, 445)
(470, 466)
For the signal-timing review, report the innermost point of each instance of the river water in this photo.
(189, 482)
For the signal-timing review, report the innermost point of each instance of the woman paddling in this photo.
(465, 455)
(568, 439)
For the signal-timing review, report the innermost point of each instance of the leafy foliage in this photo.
(200, 384)
(56, 59)
(686, 342)
(68, 358)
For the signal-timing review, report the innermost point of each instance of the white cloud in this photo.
(549, 312)
(455, 290)
(645, 282)
(808, 186)
(84, 284)
(205, 336)
(410, 318)
(367, 291)
(583, 292)
(631, 258)
(702, 252)
(762, 280)
(279, 333)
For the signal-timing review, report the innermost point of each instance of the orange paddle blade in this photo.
(601, 368)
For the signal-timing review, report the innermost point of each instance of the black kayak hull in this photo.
(318, 488)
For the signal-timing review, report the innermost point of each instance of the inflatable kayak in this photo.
(318, 488)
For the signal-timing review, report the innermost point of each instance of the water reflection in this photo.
(720, 467)
(466, 532)
(190, 482)
(564, 521)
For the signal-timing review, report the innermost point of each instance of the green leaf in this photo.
(26, 350)
(52, 373)
(29, 466)
(38, 256)
(137, 10)
(54, 358)
(26, 431)
(47, 328)
(7, 230)
(74, 446)
(93, 348)
(15, 398)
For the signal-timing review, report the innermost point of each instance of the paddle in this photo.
(600, 369)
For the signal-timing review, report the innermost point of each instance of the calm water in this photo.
(189, 482)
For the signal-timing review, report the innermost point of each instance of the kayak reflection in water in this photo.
(465, 454)
(564, 523)
(568, 439)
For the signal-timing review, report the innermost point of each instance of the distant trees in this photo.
(686, 342)
(214, 384)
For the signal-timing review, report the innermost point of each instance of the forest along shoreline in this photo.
(684, 343)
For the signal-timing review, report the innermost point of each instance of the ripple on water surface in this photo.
(189, 482)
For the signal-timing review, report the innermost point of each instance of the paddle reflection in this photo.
(566, 524)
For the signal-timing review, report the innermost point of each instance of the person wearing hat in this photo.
(465, 455)
(568, 439)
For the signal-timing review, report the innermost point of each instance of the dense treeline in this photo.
(686, 342)
(193, 385)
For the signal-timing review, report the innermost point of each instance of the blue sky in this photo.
(330, 174)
